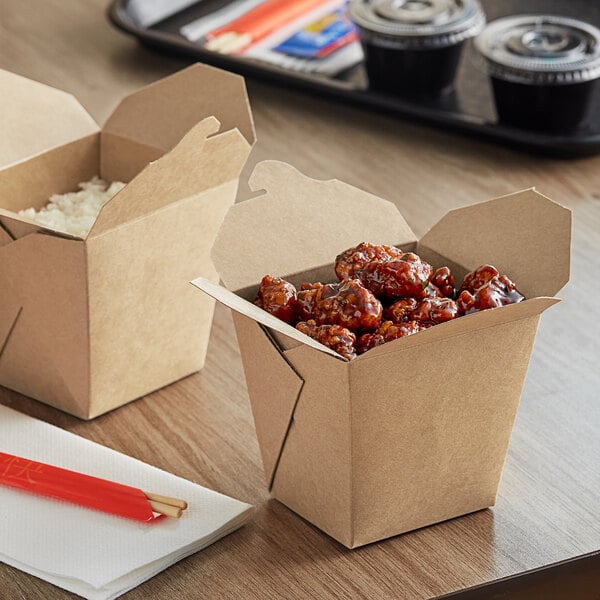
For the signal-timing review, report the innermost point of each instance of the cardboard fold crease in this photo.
(279, 390)
(413, 432)
(109, 318)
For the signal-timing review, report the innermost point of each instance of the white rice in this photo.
(75, 212)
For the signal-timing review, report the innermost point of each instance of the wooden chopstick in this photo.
(165, 505)
(165, 509)
(229, 43)
(167, 500)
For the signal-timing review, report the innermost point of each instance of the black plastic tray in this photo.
(469, 110)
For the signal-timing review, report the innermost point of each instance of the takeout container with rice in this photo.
(410, 432)
(92, 320)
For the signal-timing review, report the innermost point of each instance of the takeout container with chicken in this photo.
(413, 431)
(89, 323)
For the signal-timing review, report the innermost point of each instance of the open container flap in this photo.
(524, 235)
(243, 307)
(195, 165)
(46, 355)
(5, 237)
(300, 224)
(274, 388)
(160, 114)
(36, 117)
(19, 227)
(11, 305)
(463, 325)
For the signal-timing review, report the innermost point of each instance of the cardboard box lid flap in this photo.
(36, 117)
(525, 235)
(9, 315)
(196, 164)
(299, 224)
(160, 114)
(5, 237)
(273, 395)
(242, 306)
(11, 306)
(464, 325)
(52, 328)
(19, 227)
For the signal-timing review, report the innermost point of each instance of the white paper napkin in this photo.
(93, 554)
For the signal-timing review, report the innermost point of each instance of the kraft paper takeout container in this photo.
(87, 325)
(412, 432)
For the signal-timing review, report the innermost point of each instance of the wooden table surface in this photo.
(201, 428)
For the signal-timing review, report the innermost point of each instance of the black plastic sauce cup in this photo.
(413, 47)
(543, 70)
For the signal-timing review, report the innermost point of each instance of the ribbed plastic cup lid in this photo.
(541, 49)
(417, 23)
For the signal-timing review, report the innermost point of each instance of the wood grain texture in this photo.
(201, 428)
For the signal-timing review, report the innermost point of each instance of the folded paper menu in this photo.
(97, 555)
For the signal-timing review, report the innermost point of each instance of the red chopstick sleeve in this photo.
(77, 488)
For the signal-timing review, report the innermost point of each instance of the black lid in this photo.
(417, 23)
(541, 49)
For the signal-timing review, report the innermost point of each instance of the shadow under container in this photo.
(413, 432)
(87, 325)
